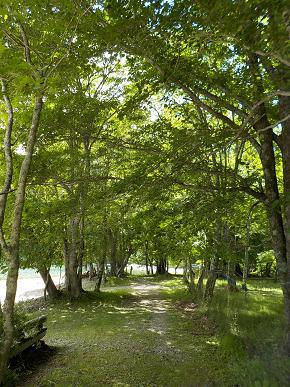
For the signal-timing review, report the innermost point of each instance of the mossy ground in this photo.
(147, 332)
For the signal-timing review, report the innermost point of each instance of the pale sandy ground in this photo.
(27, 288)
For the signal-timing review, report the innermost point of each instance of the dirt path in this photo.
(135, 337)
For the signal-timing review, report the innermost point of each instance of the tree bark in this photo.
(211, 280)
(212, 274)
(200, 279)
(11, 252)
(73, 283)
(161, 266)
(100, 276)
(284, 110)
(280, 230)
(91, 271)
(50, 287)
(147, 258)
(8, 161)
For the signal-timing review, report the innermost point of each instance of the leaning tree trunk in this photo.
(11, 250)
(50, 287)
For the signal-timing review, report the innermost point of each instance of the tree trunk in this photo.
(212, 275)
(161, 265)
(211, 280)
(280, 239)
(73, 284)
(11, 256)
(191, 279)
(284, 111)
(91, 271)
(50, 287)
(185, 273)
(200, 280)
(100, 276)
(147, 258)
(177, 266)
(11, 251)
(66, 261)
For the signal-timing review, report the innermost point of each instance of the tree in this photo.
(29, 63)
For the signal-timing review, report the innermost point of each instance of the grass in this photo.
(144, 336)
(251, 330)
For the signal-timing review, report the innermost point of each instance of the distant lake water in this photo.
(32, 273)
(30, 283)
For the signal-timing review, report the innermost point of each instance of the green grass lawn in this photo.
(138, 333)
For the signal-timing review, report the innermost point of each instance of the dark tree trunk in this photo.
(147, 258)
(72, 264)
(161, 266)
(66, 261)
(284, 112)
(91, 271)
(99, 279)
(185, 273)
(192, 287)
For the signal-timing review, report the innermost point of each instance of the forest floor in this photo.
(147, 332)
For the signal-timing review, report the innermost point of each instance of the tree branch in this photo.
(206, 107)
(8, 159)
(27, 52)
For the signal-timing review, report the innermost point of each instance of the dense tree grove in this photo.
(155, 132)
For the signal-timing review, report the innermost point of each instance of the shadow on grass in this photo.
(31, 360)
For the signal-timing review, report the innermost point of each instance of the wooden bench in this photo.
(31, 334)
